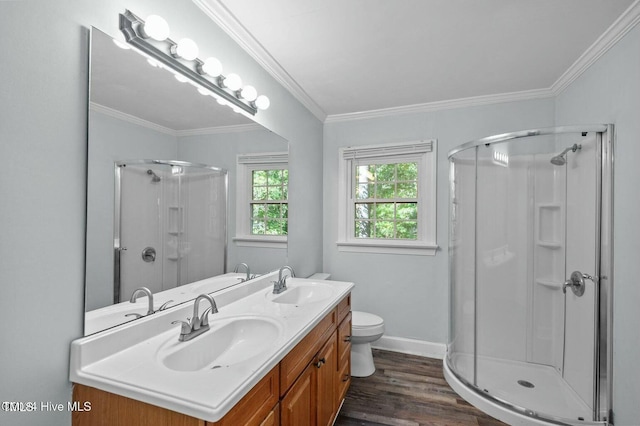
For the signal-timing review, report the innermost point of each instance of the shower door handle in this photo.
(576, 282)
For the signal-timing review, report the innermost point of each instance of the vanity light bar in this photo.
(164, 51)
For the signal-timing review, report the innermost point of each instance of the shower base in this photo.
(510, 381)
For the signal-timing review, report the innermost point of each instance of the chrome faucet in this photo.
(197, 324)
(147, 292)
(246, 267)
(281, 285)
(150, 310)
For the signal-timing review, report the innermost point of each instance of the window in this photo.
(387, 198)
(269, 201)
(262, 208)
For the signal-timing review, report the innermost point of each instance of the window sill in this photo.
(261, 241)
(387, 247)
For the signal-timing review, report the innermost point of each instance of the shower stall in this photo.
(170, 224)
(531, 275)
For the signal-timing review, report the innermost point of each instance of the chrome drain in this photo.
(526, 384)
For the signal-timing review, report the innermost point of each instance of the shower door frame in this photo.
(117, 248)
(603, 336)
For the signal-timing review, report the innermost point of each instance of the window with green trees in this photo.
(386, 201)
(269, 207)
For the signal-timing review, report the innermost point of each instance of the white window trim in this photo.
(246, 163)
(424, 152)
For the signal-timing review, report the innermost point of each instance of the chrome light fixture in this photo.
(151, 38)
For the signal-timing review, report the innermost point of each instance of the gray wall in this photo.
(609, 92)
(43, 131)
(411, 292)
(221, 150)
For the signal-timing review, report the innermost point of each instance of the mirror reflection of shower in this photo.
(155, 177)
(183, 220)
(560, 159)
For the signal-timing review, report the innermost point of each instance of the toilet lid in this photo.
(364, 319)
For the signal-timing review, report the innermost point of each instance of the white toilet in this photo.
(365, 329)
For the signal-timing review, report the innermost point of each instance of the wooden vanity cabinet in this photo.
(305, 388)
(315, 396)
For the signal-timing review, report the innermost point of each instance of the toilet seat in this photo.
(366, 324)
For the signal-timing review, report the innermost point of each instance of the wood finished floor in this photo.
(407, 390)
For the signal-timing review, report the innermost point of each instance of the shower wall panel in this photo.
(546, 330)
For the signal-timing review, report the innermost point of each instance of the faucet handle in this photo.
(185, 327)
(164, 306)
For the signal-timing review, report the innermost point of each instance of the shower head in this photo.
(155, 177)
(560, 160)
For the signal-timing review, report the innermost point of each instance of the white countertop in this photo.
(126, 360)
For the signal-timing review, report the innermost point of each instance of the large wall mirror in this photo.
(164, 165)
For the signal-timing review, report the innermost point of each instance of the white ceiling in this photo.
(341, 57)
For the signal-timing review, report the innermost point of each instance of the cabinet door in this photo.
(326, 365)
(273, 419)
(298, 407)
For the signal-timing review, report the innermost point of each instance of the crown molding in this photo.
(215, 10)
(620, 27)
(130, 118)
(442, 105)
(236, 128)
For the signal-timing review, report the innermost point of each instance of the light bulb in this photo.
(262, 102)
(249, 93)
(187, 49)
(233, 82)
(156, 27)
(212, 67)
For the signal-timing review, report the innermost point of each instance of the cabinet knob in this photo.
(347, 339)
(346, 378)
(320, 362)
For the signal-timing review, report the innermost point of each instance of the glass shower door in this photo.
(536, 224)
(170, 225)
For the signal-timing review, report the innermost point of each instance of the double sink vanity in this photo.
(265, 359)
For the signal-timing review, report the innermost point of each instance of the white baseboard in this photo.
(411, 346)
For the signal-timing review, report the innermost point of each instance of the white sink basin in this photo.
(229, 341)
(303, 294)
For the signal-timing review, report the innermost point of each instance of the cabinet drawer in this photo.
(344, 307)
(300, 356)
(344, 337)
